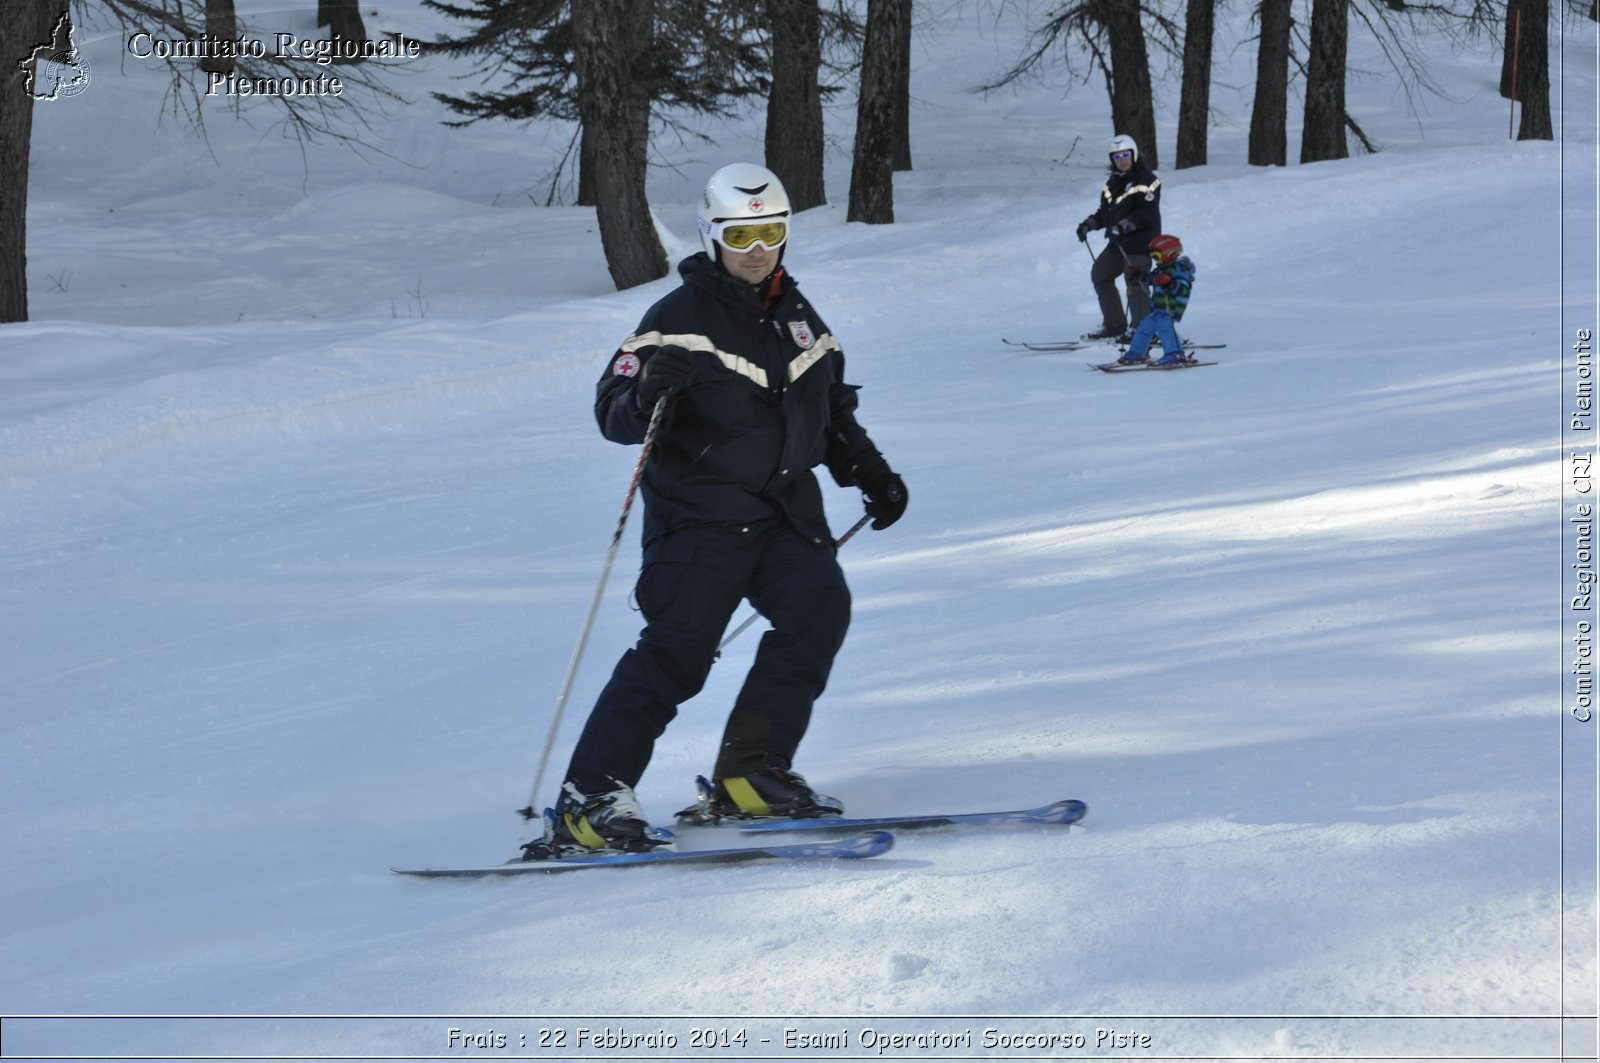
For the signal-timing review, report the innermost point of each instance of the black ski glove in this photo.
(669, 369)
(1085, 227)
(886, 493)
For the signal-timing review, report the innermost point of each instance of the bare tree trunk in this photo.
(1323, 135)
(1533, 72)
(587, 166)
(221, 24)
(794, 145)
(1132, 103)
(611, 42)
(1194, 108)
(343, 19)
(1508, 52)
(902, 94)
(1269, 114)
(872, 168)
(24, 26)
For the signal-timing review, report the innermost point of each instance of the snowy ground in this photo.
(303, 505)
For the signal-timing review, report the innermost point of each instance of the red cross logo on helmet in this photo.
(756, 206)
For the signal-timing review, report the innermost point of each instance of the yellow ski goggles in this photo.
(743, 235)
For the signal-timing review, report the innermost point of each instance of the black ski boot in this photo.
(611, 822)
(772, 793)
(1106, 332)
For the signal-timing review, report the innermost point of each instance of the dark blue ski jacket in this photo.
(1131, 203)
(768, 404)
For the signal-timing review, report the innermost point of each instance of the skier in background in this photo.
(1170, 278)
(1130, 213)
(756, 395)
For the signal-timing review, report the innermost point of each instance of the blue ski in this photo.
(1053, 346)
(868, 843)
(1062, 346)
(1061, 813)
(1139, 367)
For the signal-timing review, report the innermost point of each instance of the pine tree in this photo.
(610, 65)
(343, 21)
(872, 165)
(610, 44)
(1194, 106)
(794, 136)
(1132, 100)
(1104, 26)
(1322, 137)
(1533, 72)
(24, 25)
(1269, 114)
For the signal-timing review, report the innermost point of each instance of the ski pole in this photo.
(840, 541)
(650, 432)
(1127, 263)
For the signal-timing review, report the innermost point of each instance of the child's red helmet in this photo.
(1166, 249)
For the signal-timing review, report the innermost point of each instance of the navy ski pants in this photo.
(691, 583)
(1111, 264)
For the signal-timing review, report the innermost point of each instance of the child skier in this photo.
(1170, 277)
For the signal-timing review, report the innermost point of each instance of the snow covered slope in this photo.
(302, 504)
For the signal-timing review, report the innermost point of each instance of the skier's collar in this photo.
(774, 288)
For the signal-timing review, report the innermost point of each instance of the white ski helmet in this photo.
(742, 191)
(1123, 142)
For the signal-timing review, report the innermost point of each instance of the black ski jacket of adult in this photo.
(768, 403)
(1132, 200)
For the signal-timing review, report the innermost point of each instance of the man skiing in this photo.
(755, 393)
(1130, 213)
(1170, 277)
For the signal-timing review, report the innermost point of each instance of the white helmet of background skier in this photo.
(743, 206)
(1123, 142)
